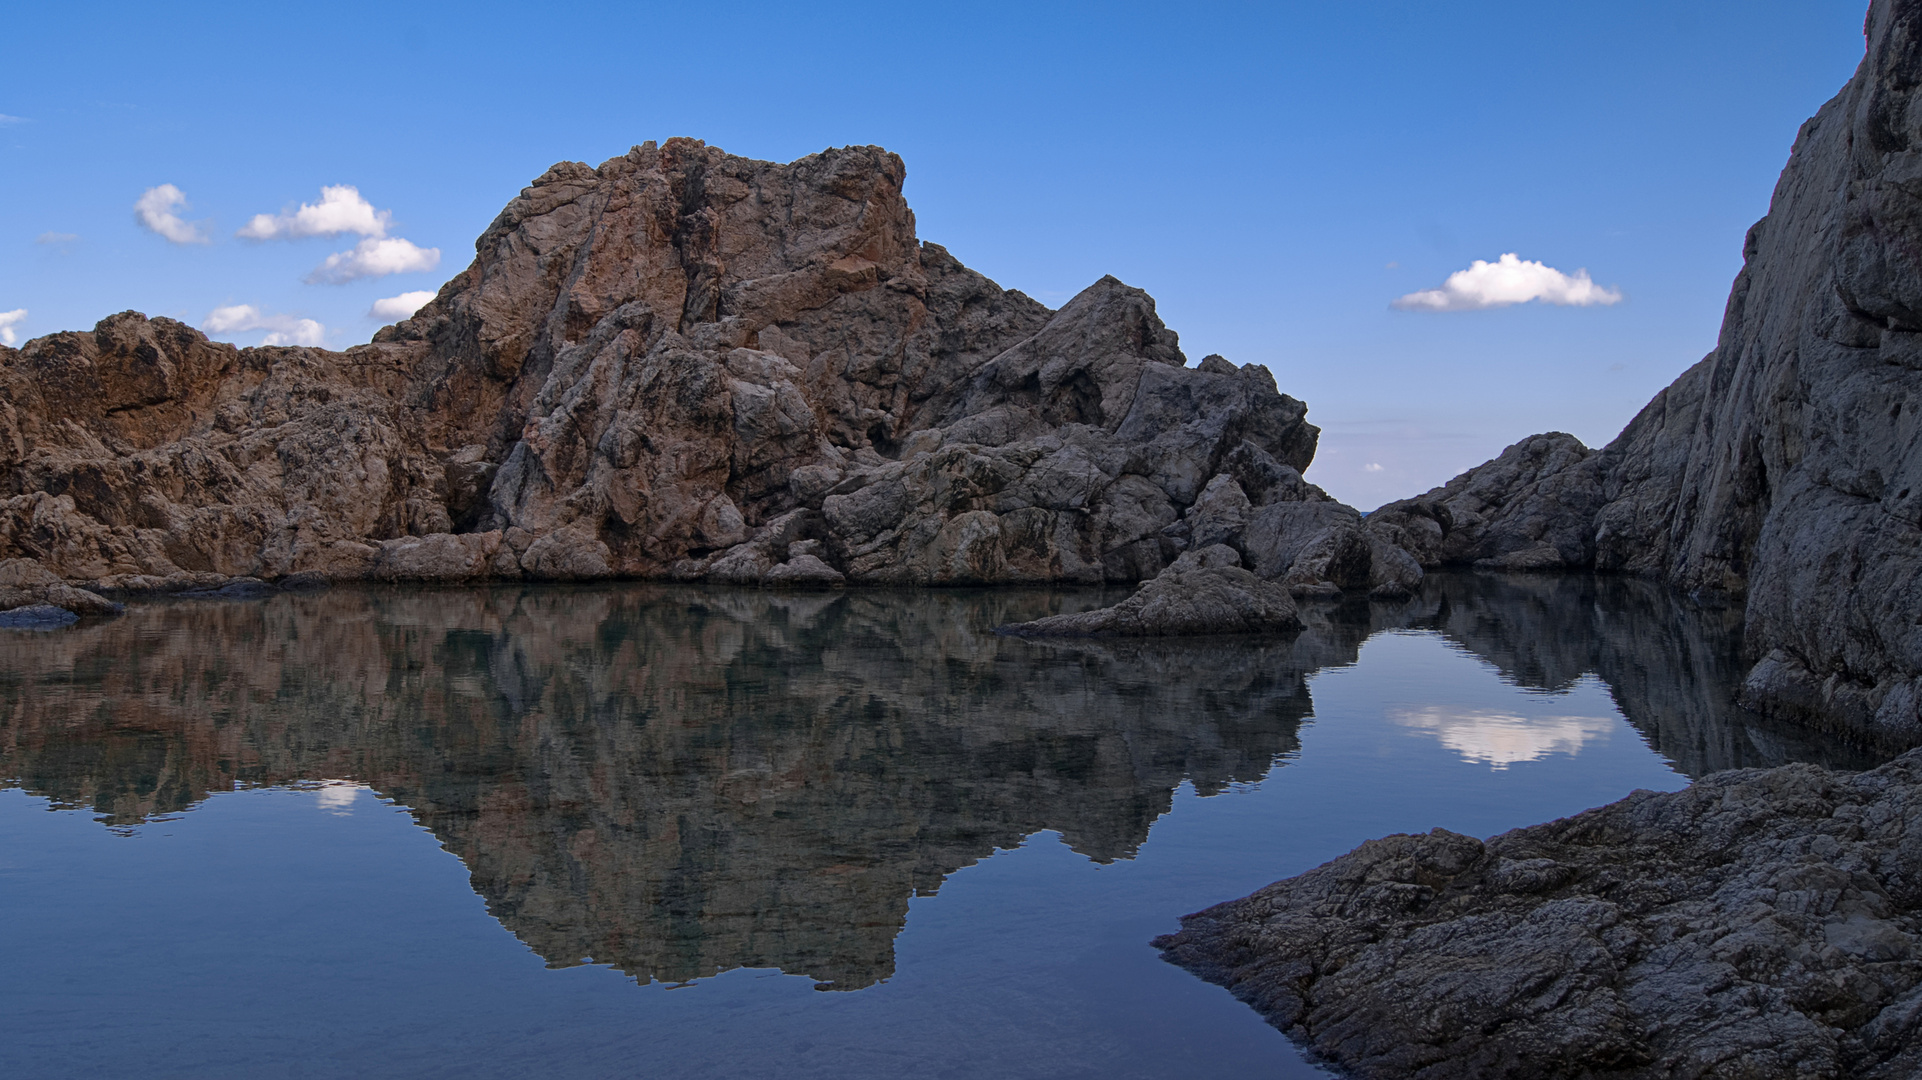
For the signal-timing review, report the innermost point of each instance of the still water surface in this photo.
(644, 831)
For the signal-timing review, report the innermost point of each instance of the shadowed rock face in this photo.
(678, 780)
(1786, 467)
(677, 365)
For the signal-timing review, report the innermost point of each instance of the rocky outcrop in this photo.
(1204, 592)
(33, 596)
(681, 364)
(1759, 924)
(1786, 467)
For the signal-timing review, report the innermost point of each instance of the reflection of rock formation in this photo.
(671, 781)
(682, 780)
(1671, 665)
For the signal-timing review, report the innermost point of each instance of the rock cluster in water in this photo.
(686, 365)
(1759, 924)
(1786, 467)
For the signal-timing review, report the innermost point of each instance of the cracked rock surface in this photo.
(1759, 924)
(680, 364)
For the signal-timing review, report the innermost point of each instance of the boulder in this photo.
(804, 571)
(1211, 598)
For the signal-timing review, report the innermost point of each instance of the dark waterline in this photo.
(735, 833)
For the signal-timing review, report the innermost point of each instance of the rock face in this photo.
(1759, 924)
(1786, 467)
(681, 364)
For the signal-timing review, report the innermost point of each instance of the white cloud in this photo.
(340, 210)
(396, 308)
(1509, 280)
(374, 258)
(9, 320)
(281, 329)
(5, 119)
(1373, 466)
(1502, 739)
(155, 211)
(57, 239)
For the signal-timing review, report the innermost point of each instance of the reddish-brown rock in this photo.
(678, 364)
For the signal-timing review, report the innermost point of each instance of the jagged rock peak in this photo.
(681, 364)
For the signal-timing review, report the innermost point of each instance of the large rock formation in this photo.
(1757, 925)
(1786, 467)
(679, 364)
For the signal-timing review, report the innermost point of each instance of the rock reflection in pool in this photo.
(676, 782)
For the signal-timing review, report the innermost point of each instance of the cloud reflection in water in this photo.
(1501, 739)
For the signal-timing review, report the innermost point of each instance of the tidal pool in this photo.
(634, 830)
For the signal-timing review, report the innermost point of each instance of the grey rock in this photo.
(1759, 924)
(1210, 599)
(804, 571)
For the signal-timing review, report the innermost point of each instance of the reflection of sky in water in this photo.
(337, 796)
(972, 838)
(1500, 738)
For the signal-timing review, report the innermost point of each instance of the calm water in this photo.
(643, 831)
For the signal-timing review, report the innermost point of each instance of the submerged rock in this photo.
(1759, 924)
(37, 617)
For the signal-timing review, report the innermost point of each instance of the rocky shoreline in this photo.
(1758, 924)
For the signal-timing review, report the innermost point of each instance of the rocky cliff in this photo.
(1786, 467)
(681, 364)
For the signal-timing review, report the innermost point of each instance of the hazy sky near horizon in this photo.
(1277, 175)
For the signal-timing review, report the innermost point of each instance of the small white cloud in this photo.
(340, 210)
(281, 329)
(396, 308)
(374, 258)
(1373, 466)
(9, 320)
(155, 211)
(56, 239)
(5, 119)
(1509, 280)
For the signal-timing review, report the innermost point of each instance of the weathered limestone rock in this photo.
(1759, 924)
(648, 370)
(27, 587)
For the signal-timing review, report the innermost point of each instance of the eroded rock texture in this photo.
(681, 364)
(1759, 924)
(1786, 467)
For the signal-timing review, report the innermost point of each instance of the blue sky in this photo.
(1276, 175)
